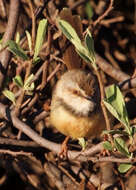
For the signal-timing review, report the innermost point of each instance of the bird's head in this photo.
(78, 91)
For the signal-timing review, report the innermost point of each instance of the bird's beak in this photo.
(88, 98)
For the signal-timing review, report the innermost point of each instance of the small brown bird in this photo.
(75, 106)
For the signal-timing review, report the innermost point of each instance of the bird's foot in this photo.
(64, 149)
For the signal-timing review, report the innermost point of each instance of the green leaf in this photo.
(89, 10)
(82, 143)
(69, 31)
(83, 54)
(28, 83)
(42, 27)
(37, 60)
(30, 87)
(107, 145)
(16, 49)
(113, 132)
(9, 95)
(17, 38)
(90, 45)
(29, 39)
(1, 36)
(124, 167)
(133, 129)
(6, 81)
(18, 81)
(83, 51)
(121, 146)
(115, 104)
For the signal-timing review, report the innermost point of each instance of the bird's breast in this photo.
(75, 126)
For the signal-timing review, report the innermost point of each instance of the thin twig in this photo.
(112, 20)
(102, 105)
(14, 142)
(61, 179)
(77, 3)
(15, 154)
(118, 75)
(128, 84)
(28, 105)
(100, 18)
(33, 22)
(41, 116)
(8, 35)
(21, 97)
(46, 63)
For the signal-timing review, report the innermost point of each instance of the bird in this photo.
(75, 106)
(75, 109)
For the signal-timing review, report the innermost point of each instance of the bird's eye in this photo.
(75, 92)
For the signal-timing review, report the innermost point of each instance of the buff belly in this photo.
(76, 127)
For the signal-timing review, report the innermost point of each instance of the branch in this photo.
(127, 84)
(15, 154)
(110, 7)
(54, 147)
(110, 70)
(8, 35)
(21, 143)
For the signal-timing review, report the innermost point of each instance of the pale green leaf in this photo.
(16, 50)
(69, 31)
(84, 54)
(90, 45)
(41, 32)
(18, 81)
(89, 10)
(28, 82)
(17, 38)
(121, 146)
(113, 132)
(30, 87)
(9, 95)
(71, 34)
(37, 60)
(111, 109)
(115, 104)
(82, 143)
(107, 145)
(29, 39)
(124, 167)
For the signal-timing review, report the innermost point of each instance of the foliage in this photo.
(114, 100)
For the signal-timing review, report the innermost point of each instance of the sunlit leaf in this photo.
(124, 167)
(37, 60)
(107, 145)
(113, 132)
(41, 32)
(29, 39)
(28, 83)
(16, 50)
(115, 104)
(17, 38)
(18, 81)
(69, 31)
(121, 146)
(85, 52)
(82, 143)
(9, 95)
(30, 87)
